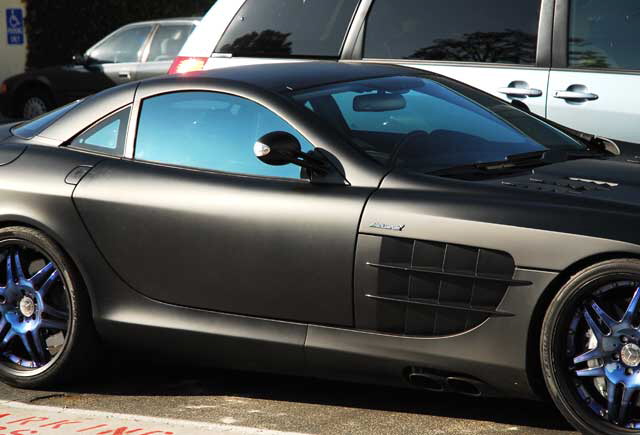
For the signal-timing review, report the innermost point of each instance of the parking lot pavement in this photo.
(234, 402)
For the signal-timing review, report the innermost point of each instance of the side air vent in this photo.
(558, 185)
(422, 288)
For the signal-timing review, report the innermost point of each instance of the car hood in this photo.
(607, 180)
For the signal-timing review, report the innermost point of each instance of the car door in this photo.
(196, 220)
(594, 83)
(499, 46)
(166, 43)
(116, 58)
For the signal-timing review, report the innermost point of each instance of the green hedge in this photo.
(58, 29)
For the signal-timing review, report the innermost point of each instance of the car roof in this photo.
(294, 76)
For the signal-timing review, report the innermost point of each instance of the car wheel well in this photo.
(534, 367)
(23, 89)
(17, 223)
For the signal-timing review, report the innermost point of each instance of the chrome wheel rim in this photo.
(34, 310)
(34, 107)
(604, 352)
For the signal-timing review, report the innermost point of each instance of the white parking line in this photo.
(18, 418)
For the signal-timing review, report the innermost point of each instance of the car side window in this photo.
(107, 136)
(124, 46)
(604, 34)
(488, 31)
(211, 131)
(168, 41)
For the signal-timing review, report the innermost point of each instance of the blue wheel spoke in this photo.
(40, 348)
(63, 315)
(633, 307)
(18, 266)
(606, 319)
(595, 328)
(28, 348)
(54, 324)
(595, 372)
(40, 275)
(588, 356)
(7, 339)
(46, 286)
(10, 281)
(612, 403)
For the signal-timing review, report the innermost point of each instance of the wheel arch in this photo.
(534, 367)
(27, 222)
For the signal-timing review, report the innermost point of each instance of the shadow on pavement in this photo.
(139, 379)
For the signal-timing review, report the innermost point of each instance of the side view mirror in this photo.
(281, 148)
(80, 59)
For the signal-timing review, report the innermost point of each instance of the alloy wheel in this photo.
(34, 309)
(603, 349)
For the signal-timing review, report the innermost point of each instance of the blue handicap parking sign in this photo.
(15, 27)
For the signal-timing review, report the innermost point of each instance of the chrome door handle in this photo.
(124, 74)
(574, 95)
(520, 92)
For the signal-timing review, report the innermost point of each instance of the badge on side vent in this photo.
(387, 226)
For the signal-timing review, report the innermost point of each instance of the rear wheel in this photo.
(590, 348)
(46, 333)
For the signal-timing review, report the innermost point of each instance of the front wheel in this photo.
(46, 332)
(590, 348)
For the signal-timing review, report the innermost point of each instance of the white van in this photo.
(576, 62)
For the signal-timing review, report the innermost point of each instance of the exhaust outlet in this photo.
(468, 387)
(427, 381)
(443, 382)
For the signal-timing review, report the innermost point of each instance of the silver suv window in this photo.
(491, 31)
(289, 28)
(604, 34)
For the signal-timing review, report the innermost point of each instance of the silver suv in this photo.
(576, 62)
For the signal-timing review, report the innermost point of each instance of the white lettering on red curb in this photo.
(21, 419)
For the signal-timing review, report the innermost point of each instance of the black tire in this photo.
(554, 349)
(79, 353)
(33, 103)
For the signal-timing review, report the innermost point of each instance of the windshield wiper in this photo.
(516, 162)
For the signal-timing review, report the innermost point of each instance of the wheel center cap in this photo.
(28, 307)
(630, 355)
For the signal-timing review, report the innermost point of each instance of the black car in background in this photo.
(135, 51)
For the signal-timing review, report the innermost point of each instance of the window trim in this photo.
(118, 152)
(544, 50)
(132, 137)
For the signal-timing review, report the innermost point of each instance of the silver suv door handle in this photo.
(521, 92)
(124, 75)
(576, 94)
(573, 95)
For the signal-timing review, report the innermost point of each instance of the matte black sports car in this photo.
(351, 221)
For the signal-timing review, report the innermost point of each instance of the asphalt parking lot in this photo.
(246, 402)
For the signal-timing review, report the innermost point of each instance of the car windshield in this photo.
(429, 124)
(30, 129)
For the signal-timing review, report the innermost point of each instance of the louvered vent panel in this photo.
(422, 288)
